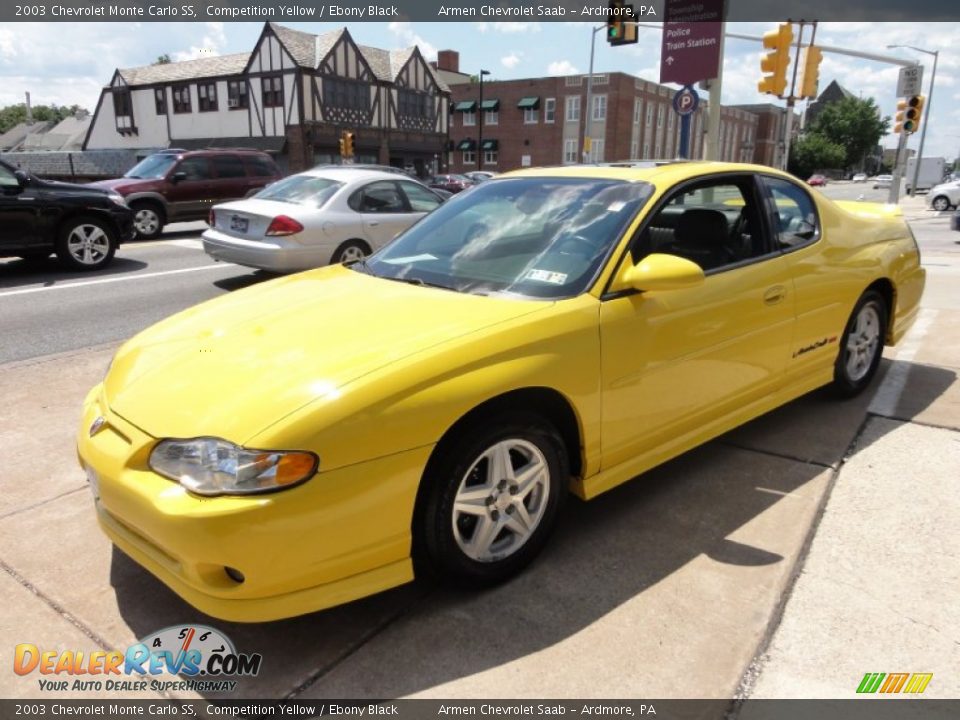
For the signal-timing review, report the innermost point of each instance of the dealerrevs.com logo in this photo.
(203, 655)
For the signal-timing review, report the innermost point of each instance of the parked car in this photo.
(324, 436)
(860, 177)
(180, 185)
(478, 176)
(82, 225)
(451, 183)
(325, 215)
(944, 196)
(882, 181)
(817, 181)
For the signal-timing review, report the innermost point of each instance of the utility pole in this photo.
(711, 145)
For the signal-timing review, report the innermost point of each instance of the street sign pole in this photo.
(898, 173)
(711, 145)
(685, 103)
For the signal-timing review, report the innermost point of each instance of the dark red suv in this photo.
(180, 185)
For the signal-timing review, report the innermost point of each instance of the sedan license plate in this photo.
(94, 482)
(240, 224)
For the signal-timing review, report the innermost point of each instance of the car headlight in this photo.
(210, 466)
(117, 198)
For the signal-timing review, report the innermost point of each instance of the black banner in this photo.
(854, 709)
(452, 10)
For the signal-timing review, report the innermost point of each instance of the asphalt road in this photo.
(47, 310)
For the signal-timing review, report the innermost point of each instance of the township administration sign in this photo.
(690, 49)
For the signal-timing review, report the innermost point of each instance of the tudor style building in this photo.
(292, 96)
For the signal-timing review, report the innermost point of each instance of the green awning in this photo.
(490, 105)
(529, 103)
(467, 144)
(465, 106)
(490, 145)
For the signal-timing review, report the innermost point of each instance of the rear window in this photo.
(304, 190)
(261, 167)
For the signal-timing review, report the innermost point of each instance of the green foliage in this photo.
(855, 124)
(16, 114)
(163, 59)
(814, 152)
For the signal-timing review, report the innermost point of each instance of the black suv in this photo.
(82, 225)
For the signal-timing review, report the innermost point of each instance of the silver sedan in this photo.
(322, 216)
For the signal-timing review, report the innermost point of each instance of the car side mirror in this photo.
(23, 178)
(658, 271)
(178, 177)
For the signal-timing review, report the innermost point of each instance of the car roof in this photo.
(654, 172)
(180, 152)
(344, 173)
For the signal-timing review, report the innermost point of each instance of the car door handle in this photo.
(774, 295)
(373, 223)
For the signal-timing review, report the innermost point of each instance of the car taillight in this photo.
(212, 218)
(283, 225)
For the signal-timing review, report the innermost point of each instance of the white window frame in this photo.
(637, 110)
(469, 157)
(491, 117)
(549, 110)
(633, 150)
(570, 151)
(531, 116)
(649, 122)
(659, 115)
(490, 157)
(572, 105)
(469, 118)
(600, 107)
(597, 149)
(646, 150)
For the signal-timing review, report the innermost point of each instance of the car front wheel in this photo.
(861, 346)
(492, 500)
(941, 202)
(147, 220)
(85, 243)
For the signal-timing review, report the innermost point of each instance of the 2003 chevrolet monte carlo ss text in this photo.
(319, 437)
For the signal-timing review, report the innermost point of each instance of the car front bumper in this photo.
(342, 535)
(282, 256)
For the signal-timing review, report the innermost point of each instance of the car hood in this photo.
(125, 185)
(232, 366)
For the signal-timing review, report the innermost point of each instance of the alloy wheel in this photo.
(146, 221)
(863, 343)
(88, 244)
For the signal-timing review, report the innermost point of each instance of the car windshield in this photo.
(307, 190)
(532, 237)
(155, 166)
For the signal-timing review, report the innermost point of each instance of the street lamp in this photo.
(480, 121)
(926, 114)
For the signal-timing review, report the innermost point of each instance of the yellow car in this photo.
(321, 437)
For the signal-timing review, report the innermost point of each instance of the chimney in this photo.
(448, 60)
(29, 111)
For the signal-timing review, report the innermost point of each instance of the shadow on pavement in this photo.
(238, 282)
(605, 553)
(48, 272)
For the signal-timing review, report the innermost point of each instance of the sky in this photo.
(68, 64)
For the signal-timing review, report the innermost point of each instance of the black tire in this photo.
(859, 358)
(350, 251)
(940, 202)
(439, 532)
(85, 243)
(148, 219)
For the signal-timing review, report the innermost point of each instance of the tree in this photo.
(163, 59)
(855, 124)
(16, 114)
(814, 152)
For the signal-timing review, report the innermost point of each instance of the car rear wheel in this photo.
(861, 346)
(491, 500)
(941, 202)
(147, 220)
(350, 252)
(85, 243)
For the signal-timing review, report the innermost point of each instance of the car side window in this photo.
(229, 166)
(421, 199)
(195, 168)
(794, 212)
(381, 197)
(7, 178)
(261, 167)
(714, 224)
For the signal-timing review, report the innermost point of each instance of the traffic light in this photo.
(774, 64)
(346, 144)
(909, 114)
(343, 145)
(621, 24)
(810, 61)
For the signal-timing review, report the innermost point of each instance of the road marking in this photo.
(888, 395)
(102, 281)
(192, 244)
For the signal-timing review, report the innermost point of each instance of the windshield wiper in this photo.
(418, 281)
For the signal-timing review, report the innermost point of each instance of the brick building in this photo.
(543, 121)
(771, 120)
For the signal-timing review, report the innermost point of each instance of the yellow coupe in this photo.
(320, 437)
